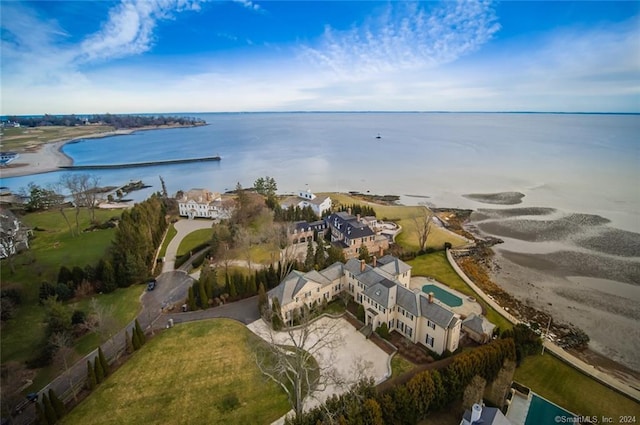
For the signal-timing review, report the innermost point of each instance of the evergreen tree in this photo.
(129, 344)
(103, 361)
(141, 336)
(202, 295)
(64, 275)
(191, 300)
(262, 298)
(108, 278)
(251, 286)
(98, 370)
(233, 293)
(135, 340)
(91, 377)
(41, 419)
(57, 404)
(276, 315)
(49, 411)
(319, 256)
(310, 259)
(364, 253)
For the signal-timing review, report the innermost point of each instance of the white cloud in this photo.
(129, 29)
(407, 36)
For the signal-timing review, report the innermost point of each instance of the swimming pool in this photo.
(445, 296)
(542, 411)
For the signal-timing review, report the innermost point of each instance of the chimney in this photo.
(381, 252)
(430, 297)
(362, 265)
(476, 412)
(349, 210)
(375, 261)
(358, 218)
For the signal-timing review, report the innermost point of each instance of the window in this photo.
(401, 326)
(317, 289)
(408, 331)
(431, 324)
(429, 341)
(391, 324)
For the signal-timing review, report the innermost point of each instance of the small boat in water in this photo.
(378, 136)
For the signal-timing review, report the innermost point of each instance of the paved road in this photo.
(245, 311)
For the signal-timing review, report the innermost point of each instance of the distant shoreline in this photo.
(49, 157)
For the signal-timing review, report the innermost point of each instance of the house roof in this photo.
(488, 416)
(379, 292)
(393, 265)
(349, 225)
(334, 271)
(353, 265)
(442, 316)
(408, 300)
(478, 324)
(289, 287)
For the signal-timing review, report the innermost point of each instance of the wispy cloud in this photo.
(129, 29)
(407, 36)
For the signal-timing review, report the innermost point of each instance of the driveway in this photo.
(245, 311)
(184, 227)
(348, 354)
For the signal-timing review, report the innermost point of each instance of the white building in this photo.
(383, 290)
(305, 198)
(204, 204)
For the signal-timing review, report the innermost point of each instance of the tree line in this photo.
(412, 401)
(117, 121)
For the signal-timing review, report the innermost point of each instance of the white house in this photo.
(305, 198)
(383, 290)
(203, 203)
(13, 236)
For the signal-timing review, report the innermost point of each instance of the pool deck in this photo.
(469, 305)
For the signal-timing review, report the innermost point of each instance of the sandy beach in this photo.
(49, 156)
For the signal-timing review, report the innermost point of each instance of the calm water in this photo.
(580, 163)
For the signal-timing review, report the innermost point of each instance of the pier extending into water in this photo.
(139, 164)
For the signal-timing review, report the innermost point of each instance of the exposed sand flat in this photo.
(572, 263)
(610, 320)
(486, 213)
(500, 198)
(614, 242)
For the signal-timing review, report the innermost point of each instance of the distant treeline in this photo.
(117, 121)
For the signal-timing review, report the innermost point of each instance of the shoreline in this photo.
(49, 156)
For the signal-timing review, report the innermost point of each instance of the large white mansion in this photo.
(382, 288)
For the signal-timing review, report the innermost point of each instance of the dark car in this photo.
(151, 285)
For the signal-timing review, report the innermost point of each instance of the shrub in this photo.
(78, 317)
(383, 331)
(360, 314)
(229, 402)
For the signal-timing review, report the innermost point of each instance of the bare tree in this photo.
(302, 361)
(13, 237)
(102, 321)
(63, 342)
(83, 190)
(423, 222)
(243, 243)
(57, 201)
(281, 241)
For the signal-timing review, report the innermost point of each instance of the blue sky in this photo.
(199, 56)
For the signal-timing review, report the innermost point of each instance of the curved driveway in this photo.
(184, 227)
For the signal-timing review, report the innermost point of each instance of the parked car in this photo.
(151, 285)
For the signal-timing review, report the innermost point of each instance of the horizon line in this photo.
(6, 116)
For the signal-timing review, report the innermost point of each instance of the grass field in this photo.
(22, 138)
(181, 377)
(51, 247)
(194, 239)
(400, 365)
(435, 265)
(403, 215)
(556, 381)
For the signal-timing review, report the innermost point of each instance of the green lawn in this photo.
(400, 365)
(264, 254)
(562, 384)
(171, 233)
(435, 265)
(181, 376)
(194, 239)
